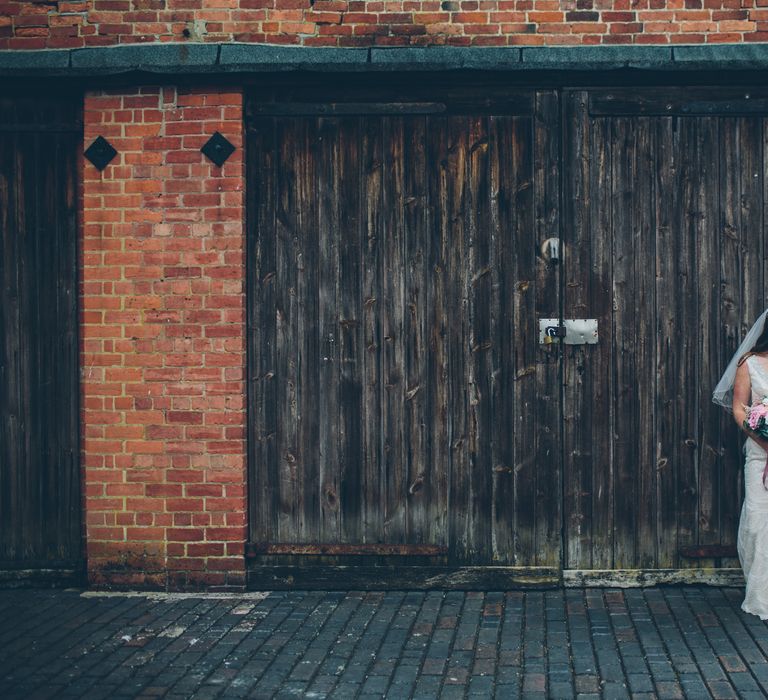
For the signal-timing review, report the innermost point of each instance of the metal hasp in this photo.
(573, 331)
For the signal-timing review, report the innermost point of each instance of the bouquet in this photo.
(757, 417)
(757, 421)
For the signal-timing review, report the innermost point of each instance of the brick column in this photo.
(163, 353)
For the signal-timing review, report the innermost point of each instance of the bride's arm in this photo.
(742, 396)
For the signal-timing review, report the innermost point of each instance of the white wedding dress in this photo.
(753, 524)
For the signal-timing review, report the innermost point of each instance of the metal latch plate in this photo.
(578, 331)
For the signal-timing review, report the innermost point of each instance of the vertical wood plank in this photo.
(587, 376)
(437, 329)
(685, 242)
(548, 413)
(308, 334)
(503, 385)
(286, 235)
(392, 351)
(328, 227)
(577, 196)
(480, 341)
(626, 206)
(420, 487)
(454, 207)
(263, 512)
(350, 332)
(706, 315)
(523, 341)
(644, 347)
(670, 151)
(372, 180)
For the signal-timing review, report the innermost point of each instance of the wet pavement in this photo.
(671, 642)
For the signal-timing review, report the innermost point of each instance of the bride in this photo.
(744, 383)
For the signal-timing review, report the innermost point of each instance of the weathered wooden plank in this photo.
(599, 379)
(263, 439)
(624, 176)
(644, 348)
(372, 578)
(286, 234)
(670, 101)
(350, 331)
(685, 242)
(523, 341)
(420, 474)
(347, 108)
(547, 416)
(587, 377)
(503, 386)
(454, 208)
(709, 551)
(354, 549)
(479, 343)
(308, 497)
(638, 578)
(392, 262)
(577, 198)
(372, 182)
(670, 150)
(436, 330)
(707, 313)
(328, 226)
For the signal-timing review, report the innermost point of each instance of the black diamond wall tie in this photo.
(100, 153)
(218, 149)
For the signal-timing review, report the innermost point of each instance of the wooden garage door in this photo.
(399, 404)
(664, 227)
(39, 462)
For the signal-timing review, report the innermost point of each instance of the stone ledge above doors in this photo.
(232, 58)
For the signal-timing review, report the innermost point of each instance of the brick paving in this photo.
(686, 642)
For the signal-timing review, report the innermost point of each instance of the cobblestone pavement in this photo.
(591, 643)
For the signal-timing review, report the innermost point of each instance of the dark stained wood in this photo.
(436, 331)
(419, 483)
(351, 349)
(677, 280)
(262, 430)
(347, 108)
(672, 289)
(392, 314)
(522, 361)
(503, 379)
(347, 549)
(708, 551)
(587, 377)
(330, 233)
(670, 101)
(399, 398)
(39, 453)
(371, 302)
(395, 330)
(705, 281)
(375, 578)
(548, 421)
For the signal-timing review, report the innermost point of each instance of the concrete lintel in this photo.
(445, 58)
(233, 58)
(247, 58)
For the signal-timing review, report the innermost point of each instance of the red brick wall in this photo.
(163, 341)
(68, 23)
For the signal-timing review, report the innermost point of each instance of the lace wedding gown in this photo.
(753, 524)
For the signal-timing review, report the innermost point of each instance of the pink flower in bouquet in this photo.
(757, 415)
